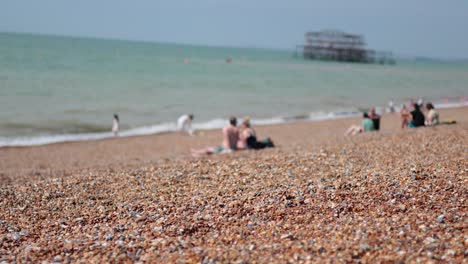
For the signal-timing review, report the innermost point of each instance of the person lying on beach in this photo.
(432, 117)
(367, 125)
(230, 138)
(248, 137)
(417, 117)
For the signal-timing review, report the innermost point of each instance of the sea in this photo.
(55, 89)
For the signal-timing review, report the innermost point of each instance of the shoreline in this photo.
(168, 127)
(54, 160)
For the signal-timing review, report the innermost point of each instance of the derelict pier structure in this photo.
(340, 46)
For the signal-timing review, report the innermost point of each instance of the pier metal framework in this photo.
(340, 46)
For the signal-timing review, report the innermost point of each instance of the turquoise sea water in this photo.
(61, 88)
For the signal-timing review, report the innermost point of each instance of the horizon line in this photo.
(60, 35)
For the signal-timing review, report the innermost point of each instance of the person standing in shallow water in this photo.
(115, 125)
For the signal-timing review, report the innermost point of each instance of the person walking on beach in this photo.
(184, 124)
(115, 125)
(230, 138)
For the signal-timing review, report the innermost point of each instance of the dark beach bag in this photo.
(254, 144)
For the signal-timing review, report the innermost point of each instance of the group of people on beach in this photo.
(413, 117)
(244, 136)
(416, 118)
(235, 138)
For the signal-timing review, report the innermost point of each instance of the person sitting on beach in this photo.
(246, 134)
(367, 125)
(432, 117)
(115, 125)
(417, 117)
(248, 137)
(375, 118)
(405, 116)
(230, 138)
(184, 124)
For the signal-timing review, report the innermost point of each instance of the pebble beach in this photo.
(388, 196)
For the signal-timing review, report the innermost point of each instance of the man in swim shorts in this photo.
(230, 138)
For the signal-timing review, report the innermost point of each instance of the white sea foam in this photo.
(49, 139)
(137, 131)
(451, 105)
(160, 128)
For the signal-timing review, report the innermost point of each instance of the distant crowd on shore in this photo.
(411, 117)
(244, 136)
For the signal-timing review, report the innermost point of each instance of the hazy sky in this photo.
(431, 28)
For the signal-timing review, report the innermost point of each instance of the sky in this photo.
(428, 28)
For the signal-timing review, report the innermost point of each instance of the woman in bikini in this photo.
(247, 135)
